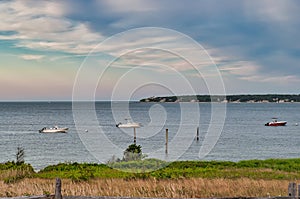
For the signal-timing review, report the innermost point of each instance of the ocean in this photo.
(93, 136)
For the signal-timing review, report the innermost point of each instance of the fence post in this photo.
(292, 189)
(299, 191)
(58, 189)
(197, 136)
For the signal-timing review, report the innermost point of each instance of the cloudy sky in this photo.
(49, 49)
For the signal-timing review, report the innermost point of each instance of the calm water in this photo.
(244, 135)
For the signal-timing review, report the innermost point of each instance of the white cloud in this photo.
(284, 79)
(151, 46)
(250, 71)
(272, 10)
(32, 57)
(41, 25)
(15, 13)
(28, 7)
(241, 68)
(130, 6)
(76, 39)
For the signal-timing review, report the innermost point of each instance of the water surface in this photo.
(244, 135)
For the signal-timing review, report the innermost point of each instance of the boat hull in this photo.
(54, 130)
(282, 123)
(128, 125)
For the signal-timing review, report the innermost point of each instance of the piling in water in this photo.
(167, 138)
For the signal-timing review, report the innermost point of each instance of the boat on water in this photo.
(128, 124)
(276, 123)
(54, 129)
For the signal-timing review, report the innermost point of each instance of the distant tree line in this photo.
(228, 98)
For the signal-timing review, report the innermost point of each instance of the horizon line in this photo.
(136, 100)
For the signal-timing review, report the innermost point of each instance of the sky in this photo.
(120, 50)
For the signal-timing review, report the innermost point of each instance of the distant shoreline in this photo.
(266, 98)
(241, 98)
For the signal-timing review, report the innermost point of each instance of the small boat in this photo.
(54, 129)
(128, 124)
(276, 123)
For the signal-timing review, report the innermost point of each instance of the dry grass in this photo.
(186, 188)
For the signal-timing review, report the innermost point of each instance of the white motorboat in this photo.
(128, 124)
(276, 123)
(54, 129)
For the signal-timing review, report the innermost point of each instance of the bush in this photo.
(133, 153)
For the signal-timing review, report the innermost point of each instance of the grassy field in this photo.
(176, 188)
(259, 178)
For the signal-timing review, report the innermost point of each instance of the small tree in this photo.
(20, 155)
(133, 152)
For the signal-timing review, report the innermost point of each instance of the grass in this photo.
(280, 169)
(11, 172)
(175, 188)
(288, 169)
(257, 178)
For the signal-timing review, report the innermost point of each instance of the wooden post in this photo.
(292, 189)
(197, 137)
(58, 189)
(134, 136)
(167, 138)
(299, 191)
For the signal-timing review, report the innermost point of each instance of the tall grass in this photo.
(11, 172)
(175, 188)
(256, 178)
